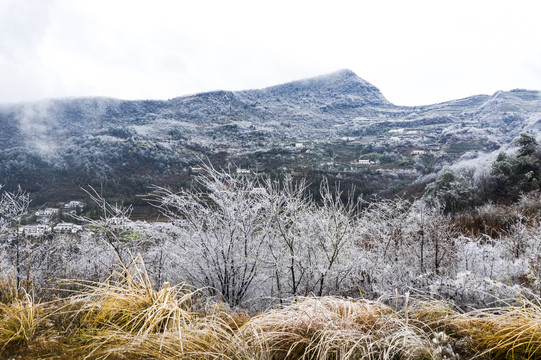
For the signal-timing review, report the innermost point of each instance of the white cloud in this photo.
(414, 51)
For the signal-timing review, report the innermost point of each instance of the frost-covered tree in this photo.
(13, 206)
(310, 242)
(112, 226)
(512, 175)
(382, 252)
(244, 236)
(223, 232)
(432, 238)
(333, 227)
(287, 204)
(450, 190)
(403, 244)
(527, 144)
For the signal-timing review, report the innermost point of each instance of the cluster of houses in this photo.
(38, 230)
(118, 223)
(68, 208)
(45, 227)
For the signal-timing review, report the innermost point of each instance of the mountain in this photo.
(55, 146)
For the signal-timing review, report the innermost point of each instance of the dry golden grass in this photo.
(334, 328)
(127, 318)
(18, 321)
(511, 332)
(205, 338)
(126, 312)
(128, 301)
(430, 314)
(8, 289)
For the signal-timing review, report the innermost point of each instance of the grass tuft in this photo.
(131, 303)
(511, 332)
(334, 328)
(128, 318)
(18, 321)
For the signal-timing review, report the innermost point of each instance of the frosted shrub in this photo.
(243, 236)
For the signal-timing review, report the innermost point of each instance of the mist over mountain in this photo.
(338, 118)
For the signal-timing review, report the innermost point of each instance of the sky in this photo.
(416, 52)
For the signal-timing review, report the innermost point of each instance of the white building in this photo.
(299, 146)
(48, 212)
(115, 220)
(74, 205)
(64, 227)
(34, 230)
(364, 162)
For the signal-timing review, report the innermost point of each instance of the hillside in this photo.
(55, 146)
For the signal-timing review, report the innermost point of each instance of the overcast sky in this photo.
(416, 52)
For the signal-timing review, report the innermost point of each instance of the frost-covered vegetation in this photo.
(253, 240)
(253, 267)
(504, 181)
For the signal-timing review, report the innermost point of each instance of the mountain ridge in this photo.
(333, 80)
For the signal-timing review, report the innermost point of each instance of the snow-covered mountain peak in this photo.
(330, 87)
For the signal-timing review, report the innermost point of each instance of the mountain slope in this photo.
(71, 142)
